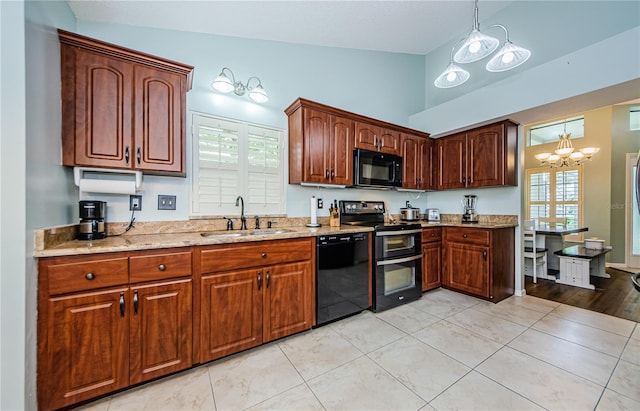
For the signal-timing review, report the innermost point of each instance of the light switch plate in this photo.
(166, 202)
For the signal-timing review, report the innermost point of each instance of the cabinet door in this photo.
(231, 313)
(88, 343)
(389, 141)
(410, 161)
(102, 113)
(159, 121)
(288, 300)
(425, 172)
(451, 153)
(341, 151)
(316, 146)
(486, 156)
(431, 266)
(161, 329)
(466, 268)
(367, 136)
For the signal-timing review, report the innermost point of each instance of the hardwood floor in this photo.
(614, 296)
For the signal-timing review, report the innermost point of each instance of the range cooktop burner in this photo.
(371, 214)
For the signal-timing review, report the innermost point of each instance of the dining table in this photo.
(551, 238)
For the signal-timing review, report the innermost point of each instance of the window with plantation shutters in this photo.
(232, 158)
(555, 193)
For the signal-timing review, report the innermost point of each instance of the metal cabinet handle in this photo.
(138, 155)
(122, 304)
(259, 280)
(464, 235)
(126, 155)
(162, 267)
(484, 255)
(264, 255)
(326, 173)
(433, 234)
(268, 278)
(89, 276)
(135, 302)
(333, 174)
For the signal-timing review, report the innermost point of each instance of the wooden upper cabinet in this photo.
(451, 153)
(122, 108)
(416, 154)
(320, 148)
(481, 157)
(375, 138)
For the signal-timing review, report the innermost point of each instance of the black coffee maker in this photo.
(92, 215)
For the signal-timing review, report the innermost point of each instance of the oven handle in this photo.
(401, 232)
(399, 260)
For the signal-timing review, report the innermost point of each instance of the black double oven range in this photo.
(397, 253)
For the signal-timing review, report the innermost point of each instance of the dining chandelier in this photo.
(223, 84)
(565, 155)
(477, 46)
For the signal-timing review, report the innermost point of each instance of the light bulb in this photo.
(451, 76)
(507, 58)
(474, 47)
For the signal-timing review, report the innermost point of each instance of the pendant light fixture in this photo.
(509, 56)
(223, 84)
(477, 46)
(565, 155)
(452, 75)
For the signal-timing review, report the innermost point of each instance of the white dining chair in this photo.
(538, 256)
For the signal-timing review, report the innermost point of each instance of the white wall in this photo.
(12, 207)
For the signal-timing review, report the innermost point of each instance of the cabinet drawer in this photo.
(87, 275)
(431, 235)
(159, 266)
(236, 256)
(468, 235)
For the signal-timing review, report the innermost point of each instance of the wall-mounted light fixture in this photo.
(223, 84)
(477, 46)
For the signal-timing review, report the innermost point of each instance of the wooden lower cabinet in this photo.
(97, 333)
(431, 258)
(245, 307)
(160, 329)
(88, 354)
(479, 261)
(231, 313)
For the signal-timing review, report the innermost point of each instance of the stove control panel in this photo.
(362, 207)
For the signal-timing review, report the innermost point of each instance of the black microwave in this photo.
(372, 169)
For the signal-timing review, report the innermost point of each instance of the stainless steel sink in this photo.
(222, 234)
(269, 232)
(231, 234)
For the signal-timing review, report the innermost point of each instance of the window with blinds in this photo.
(555, 193)
(232, 158)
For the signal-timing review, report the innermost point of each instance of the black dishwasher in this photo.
(342, 276)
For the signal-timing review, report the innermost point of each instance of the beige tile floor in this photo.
(445, 351)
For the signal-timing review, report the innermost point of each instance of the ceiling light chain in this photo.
(565, 156)
(478, 46)
(223, 84)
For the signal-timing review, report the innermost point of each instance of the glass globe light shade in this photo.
(451, 76)
(577, 156)
(589, 151)
(508, 57)
(477, 46)
(222, 84)
(258, 94)
(553, 158)
(565, 151)
(542, 156)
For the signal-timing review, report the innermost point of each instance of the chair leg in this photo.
(535, 270)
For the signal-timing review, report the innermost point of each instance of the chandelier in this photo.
(565, 155)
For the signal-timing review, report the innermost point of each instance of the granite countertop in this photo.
(60, 241)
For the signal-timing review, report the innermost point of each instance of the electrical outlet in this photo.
(166, 202)
(320, 203)
(135, 203)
